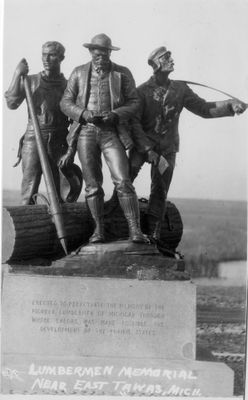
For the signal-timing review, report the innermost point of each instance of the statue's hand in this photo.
(153, 157)
(238, 107)
(87, 116)
(22, 68)
(110, 118)
(66, 159)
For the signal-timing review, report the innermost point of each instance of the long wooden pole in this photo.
(55, 207)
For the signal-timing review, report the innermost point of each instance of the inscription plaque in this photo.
(98, 317)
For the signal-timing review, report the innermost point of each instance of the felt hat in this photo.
(71, 182)
(100, 41)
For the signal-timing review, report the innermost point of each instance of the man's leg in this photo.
(136, 160)
(31, 169)
(56, 146)
(159, 190)
(117, 162)
(90, 157)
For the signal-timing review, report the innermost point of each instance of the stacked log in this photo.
(28, 231)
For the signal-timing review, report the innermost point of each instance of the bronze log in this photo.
(28, 231)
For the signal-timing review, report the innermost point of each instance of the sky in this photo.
(208, 43)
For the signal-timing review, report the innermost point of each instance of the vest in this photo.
(99, 94)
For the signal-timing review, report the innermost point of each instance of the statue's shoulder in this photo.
(80, 69)
(34, 77)
(34, 80)
(146, 86)
(182, 85)
(179, 89)
(63, 81)
(123, 70)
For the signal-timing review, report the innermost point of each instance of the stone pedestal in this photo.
(79, 334)
(99, 317)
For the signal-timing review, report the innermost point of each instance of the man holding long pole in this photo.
(45, 139)
(47, 88)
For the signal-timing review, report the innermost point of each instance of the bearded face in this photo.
(100, 58)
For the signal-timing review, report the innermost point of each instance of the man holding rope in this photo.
(161, 102)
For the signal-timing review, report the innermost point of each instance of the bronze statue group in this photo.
(99, 111)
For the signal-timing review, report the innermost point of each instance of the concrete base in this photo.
(103, 336)
(122, 258)
(116, 376)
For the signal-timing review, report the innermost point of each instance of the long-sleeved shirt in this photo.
(160, 110)
(46, 94)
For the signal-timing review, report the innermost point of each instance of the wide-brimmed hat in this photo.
(101, 41)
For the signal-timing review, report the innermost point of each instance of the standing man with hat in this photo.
(101, 95)
(161, 102)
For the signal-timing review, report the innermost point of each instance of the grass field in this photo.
(223, 341)
(214, 231)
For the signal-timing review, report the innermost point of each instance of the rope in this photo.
(212, 88)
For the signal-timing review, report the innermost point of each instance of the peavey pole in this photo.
(55, 207)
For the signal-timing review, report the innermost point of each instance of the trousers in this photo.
(92, 143)
(55, 146)
(159, 183)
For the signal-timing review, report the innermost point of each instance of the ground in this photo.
(224, 341)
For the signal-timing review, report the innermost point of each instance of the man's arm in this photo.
(68, 102)
(236, 106)
(142, 143)
(130, 97)
(206, 109)
(15, 94)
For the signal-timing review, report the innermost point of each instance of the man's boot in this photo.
(154, 228)
(111, 204)
(130, 207)
(96, 208)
